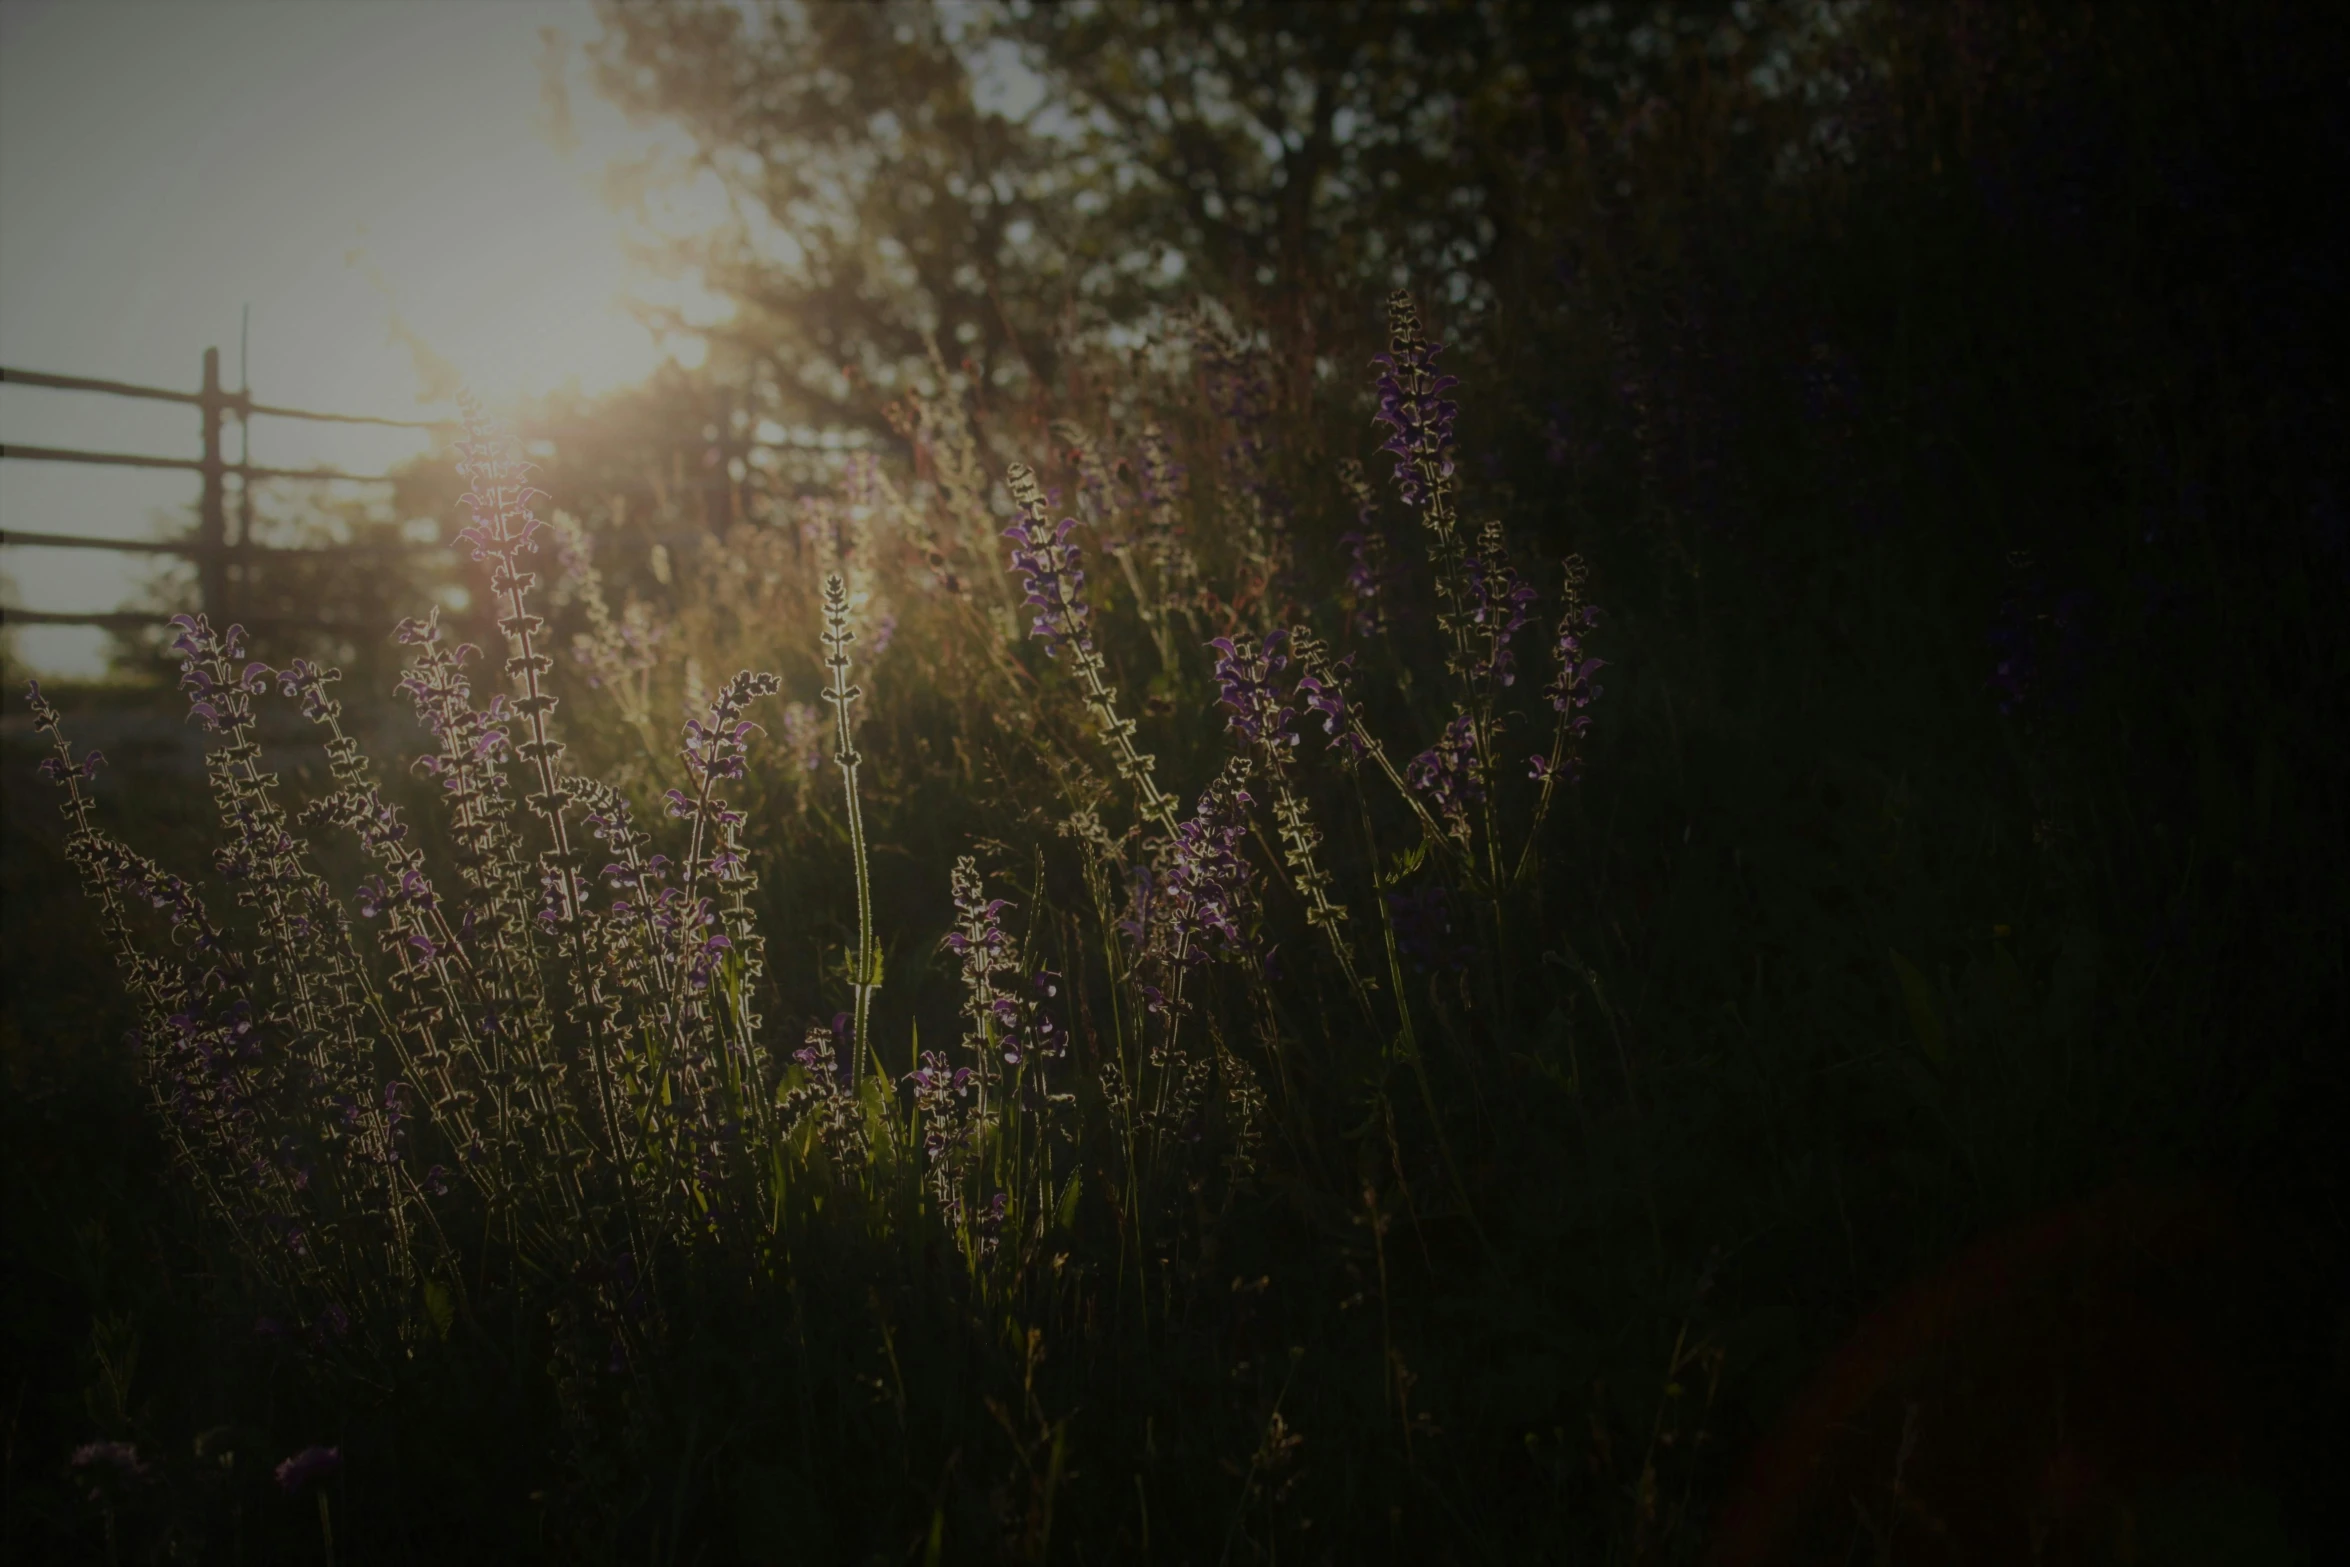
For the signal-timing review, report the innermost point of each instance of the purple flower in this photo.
(933, 1075)
(57, 769)
(985, 950)
(1499, 605)
(1572, 688)
(1412, 404)
(1053, 576)
(312, 1463)
(1244, 682)
(1367, 571)
(307, 682)
(705, 962)
(1446, 773)
(1204, 886)
(119, 1457)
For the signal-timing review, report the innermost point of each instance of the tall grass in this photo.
(1236, 1047)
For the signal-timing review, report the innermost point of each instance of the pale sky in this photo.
(344, 167)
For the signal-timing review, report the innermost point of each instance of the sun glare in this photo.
(401, 199)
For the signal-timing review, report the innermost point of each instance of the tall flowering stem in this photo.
(1367, 568)
(1052, 574)
(1571, 692)
(433, 972)
(1500, 604)
(68, 772)
(836, 637)
(1419, 417)
(504, 530)
(717, 748)
(203, 1089)
(1323, 690)
(984, 950)
(1259, 714)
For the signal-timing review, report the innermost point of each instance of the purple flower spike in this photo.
(1572, 688)
(312, 1463)
(1204, 891)
(120, 1457)
(1500, 603)
(1412, 404)
(1245, 684)
(1053, 577)
(1446, 773)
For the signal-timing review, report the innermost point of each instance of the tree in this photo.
(980, 184)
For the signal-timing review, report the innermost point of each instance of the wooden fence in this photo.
(221, 558)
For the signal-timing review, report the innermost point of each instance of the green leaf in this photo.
(1066, 1213)
(439, 1306)
(1919, 994)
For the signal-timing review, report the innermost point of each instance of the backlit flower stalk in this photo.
(1446, 776)
(717, 748)
(1259, 714)
(1571, 691)
(504, 529)
(1366, 545)
(260, 1069)
(1323, 690)
(1197, 900)
(983, 949)
(203, 1069)
(836, 637)
(1419, 417)
(665, 1088)
(1500, 604)
(305, 936)
(316, 997)
(1052, 575)
(432, 970)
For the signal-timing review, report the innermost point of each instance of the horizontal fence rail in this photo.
(190, 548)
(236, 402)
(191, 464)
(211, 547)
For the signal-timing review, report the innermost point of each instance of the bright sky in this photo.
(378, 180)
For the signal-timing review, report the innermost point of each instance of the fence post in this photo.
(212, 518)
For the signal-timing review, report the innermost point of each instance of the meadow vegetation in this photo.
(1703, 921)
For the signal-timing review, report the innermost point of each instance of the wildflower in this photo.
(306, 683)
(1366, 545)
(1499, 605)
(312, 1463)
(1572, 689)
(1322, 688)
(1053, 576)
(1244, 684)
(1052, 579)
(118, 1457)
(980, 942)
(1446, 776)
(1203, 889)
(1413, 406)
